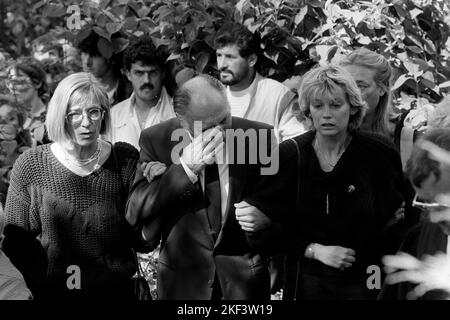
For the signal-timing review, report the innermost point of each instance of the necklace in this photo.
(84, 162)
(330, 163)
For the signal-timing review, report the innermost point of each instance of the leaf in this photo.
(185, 45)
(281, 23)
(322, 52)
(38, 5)
(431, 85)
(105, 48)
(332, 53)
(174, 56)
(148, 22)
(445, 84)
(123, 1)
(130, 23)
(429, 46)
(143, 12)
(315, 3)
(202, 62)
(429, 76)
(400, 81)
(414, 49)
(104, 4)
(241, 5)
(415, 12)
(190, 32)
(301, 15)
(413, 69)
(83, 34)
(101, 20)
(113, 27)
(403, 56)
(160, 42)
(400, 11)
(102, 33)
(422, 63)
(120, 44)
(357, 17)
(163, 12)
(54, 10)
(364, 40)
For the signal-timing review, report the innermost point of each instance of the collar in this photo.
(162, 98)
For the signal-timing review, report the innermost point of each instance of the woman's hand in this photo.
(334, 256)
(152, 169)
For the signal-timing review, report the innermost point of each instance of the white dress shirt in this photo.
(125, 123)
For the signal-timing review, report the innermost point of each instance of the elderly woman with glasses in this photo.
(71, 195)
(333, 195)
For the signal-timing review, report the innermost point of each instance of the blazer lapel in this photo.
(237, 179)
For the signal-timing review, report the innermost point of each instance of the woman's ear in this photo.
(381, 91)
(353, 111)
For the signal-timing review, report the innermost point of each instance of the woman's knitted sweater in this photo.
(79, 221)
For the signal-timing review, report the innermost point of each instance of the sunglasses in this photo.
(435, 206)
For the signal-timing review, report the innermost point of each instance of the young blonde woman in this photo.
(333, 195)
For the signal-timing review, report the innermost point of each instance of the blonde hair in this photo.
(326, 80)
(383, 76)
(80, 88)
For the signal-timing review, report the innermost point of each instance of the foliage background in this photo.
(295, 36)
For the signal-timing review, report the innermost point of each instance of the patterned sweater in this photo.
(79, 221)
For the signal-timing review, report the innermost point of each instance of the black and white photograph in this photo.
(230, 156)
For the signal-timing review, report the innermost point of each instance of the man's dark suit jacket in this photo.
(172, 209)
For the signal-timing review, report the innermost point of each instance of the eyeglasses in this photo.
(75, 117)
(435, 206)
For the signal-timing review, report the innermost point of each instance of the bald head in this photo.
(202, 99)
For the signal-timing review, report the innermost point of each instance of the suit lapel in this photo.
(236, 184)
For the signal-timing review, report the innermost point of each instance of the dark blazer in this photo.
(172, 209)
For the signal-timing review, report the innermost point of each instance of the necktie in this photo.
(213, 198)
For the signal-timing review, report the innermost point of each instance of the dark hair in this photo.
(143, 50)
(89, 45)
(234, 33)
(420, 165)
(35, 71)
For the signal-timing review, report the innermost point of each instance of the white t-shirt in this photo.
(240, 100)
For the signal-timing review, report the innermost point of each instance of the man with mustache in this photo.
(149, 104)
(252, 96)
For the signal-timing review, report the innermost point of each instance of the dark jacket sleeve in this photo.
(148, 201)
(275, 195)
